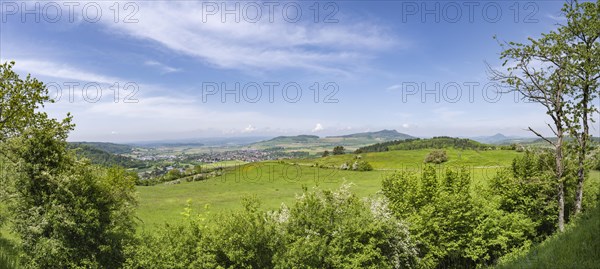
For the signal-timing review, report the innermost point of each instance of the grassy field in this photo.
(279, 182)
(272, 182)
(402, 159)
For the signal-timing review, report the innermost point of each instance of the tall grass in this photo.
(577, 247)
(8, 255)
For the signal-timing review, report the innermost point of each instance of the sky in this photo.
(156, 70)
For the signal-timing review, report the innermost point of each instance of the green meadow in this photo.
(279, 182)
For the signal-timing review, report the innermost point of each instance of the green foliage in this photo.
(595, 161)
(325, 153)
(338, 150)
(361, 165)
(8, 255)
(337, 230)
(67, 213)
(436, 157)
(19, 99)
(101, 157)
(417, 143)
(453, 228)
(528, 188)
(323, 229)
(577, 247)
(103, 146)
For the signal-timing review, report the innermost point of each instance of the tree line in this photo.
(439, 142)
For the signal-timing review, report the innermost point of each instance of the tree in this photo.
(581, 35)
(66, 212)
(338, 150)
(19, 100)
(535, 71)
(325, 153)
(570, 60)
(528, 188)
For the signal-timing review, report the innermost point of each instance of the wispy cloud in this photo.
(264, 45)
(165, 69)
(393, 87)
(61, 71)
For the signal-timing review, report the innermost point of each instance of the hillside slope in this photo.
(104, 146)
(313, 143)
(577, 247)
(102, 157)
(379, 135)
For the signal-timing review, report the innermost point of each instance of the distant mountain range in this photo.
(499, 139)
(314, 142)
(381, 135)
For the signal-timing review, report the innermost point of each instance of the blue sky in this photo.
(363, 58)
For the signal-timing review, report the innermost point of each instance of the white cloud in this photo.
(61, 71)
(317, 128)
(165, 69)
(249, 129)
(179, 26)
(394, 87)
(405, 125)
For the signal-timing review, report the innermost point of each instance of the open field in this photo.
(402, 159)
(277, 182)
(272, 182)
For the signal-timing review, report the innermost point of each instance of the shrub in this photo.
(453, 229)
(326, 229)
(436, 157)
(362, 166)
(338, 150)
(322, 229)
(67, 212)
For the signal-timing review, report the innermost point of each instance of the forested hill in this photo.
(107, 147)
(418, 143)
(382, 135)
(97, 155)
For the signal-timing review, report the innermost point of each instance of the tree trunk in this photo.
(561, 207)
(559, 175)
(582, 152)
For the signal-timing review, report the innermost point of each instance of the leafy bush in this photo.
(453, 229)
(338, 150)
(362, 166)
(327, 229)
(436, 157)
(67, 212)
(323, 229)
(529, 188)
